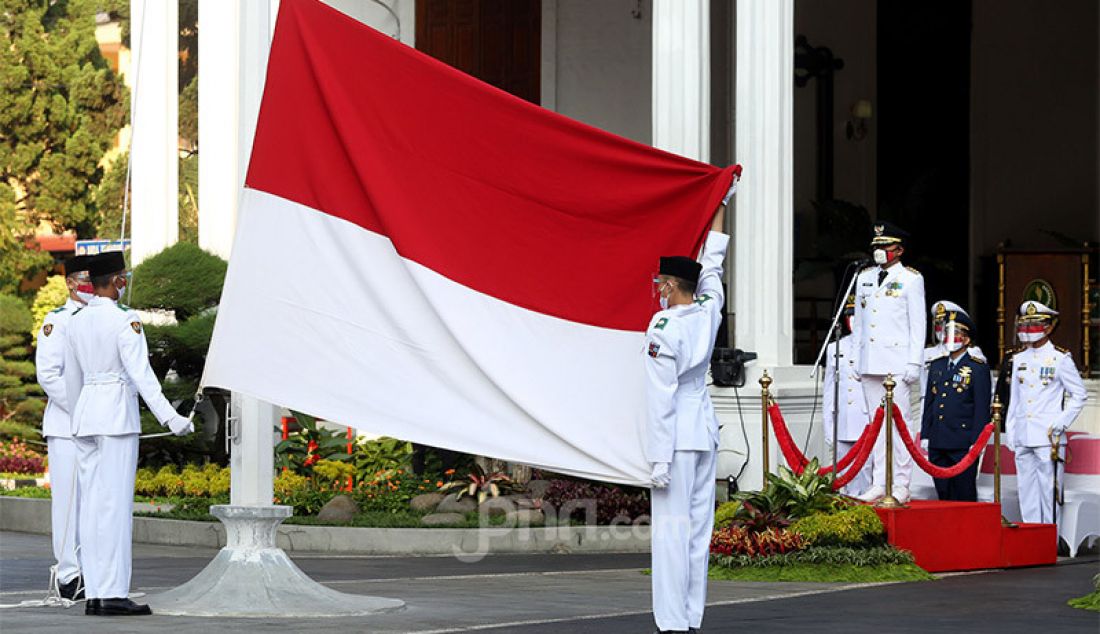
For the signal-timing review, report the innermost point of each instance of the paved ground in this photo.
(577, 594)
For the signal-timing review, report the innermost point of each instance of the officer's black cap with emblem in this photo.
(76, 264)
(887, 233)
(682, 267)
(106, 263)
(962, 321)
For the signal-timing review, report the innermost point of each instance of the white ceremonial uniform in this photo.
(107, 366)
(1047, 392)
(852, 413)
(939, 351)
(683, 431)
(890, 324)
(49, 361)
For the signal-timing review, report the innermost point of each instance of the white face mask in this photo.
(954, 346)
(880, 256)
(664, 298)
(1030, 337)
(84, 297)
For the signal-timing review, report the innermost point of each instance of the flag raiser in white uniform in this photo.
(683, 431)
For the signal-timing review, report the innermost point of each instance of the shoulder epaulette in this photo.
(57, 310)
(977, 360)
(1061, 349)
(912, 270)
(78, 310)
(123, 307)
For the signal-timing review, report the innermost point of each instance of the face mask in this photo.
(954, 346)
(880, 256)
(84, 297)
(1029, 337)
(939, 333)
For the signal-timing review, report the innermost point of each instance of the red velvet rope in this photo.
(933, 470)
(855, 458)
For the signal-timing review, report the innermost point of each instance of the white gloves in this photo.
(732, 190)
(912, 373)
(181, 426)
(924, 444)
(660, 476)
(1057, 430)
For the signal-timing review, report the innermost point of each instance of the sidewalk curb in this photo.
(30, 515)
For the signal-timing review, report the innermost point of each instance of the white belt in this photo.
(106, 378)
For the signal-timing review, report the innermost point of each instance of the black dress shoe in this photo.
(116, 607)
(73, 590)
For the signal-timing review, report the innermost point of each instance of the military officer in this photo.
(889, 323)
(1047, 394)
(844, 393)
(682, 435)
(49, 361)
(956, 408)
(938, 350)
(106, 368)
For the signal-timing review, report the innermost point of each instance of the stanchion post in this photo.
(889, 501)
(765, 397)
(997, 458)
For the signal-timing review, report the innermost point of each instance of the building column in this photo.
(154, 108)
(235, 37)
(681, 77)
(763, 294)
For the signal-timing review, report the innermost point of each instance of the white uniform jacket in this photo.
(852, 411)
(49, 363)
(679, 343)
(107, 366)
(889, 320)
(1047, 391)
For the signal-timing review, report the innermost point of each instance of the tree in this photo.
(60, 113)
(17, 261)
(21, 402)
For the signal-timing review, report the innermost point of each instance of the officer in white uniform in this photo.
(106, 368)
(851, 408)
(889, 322)
(1047, 394)
(49, 361)
(938, 350)
(682, 436)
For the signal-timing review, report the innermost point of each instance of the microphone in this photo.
(862, 262)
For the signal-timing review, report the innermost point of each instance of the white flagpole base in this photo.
(253, 577)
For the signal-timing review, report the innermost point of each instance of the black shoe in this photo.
(73, 590)
(115, 607)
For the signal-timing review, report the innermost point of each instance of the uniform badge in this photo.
(1046, 374)
(47, 329)
(136, 325)
(654, 349)
(661, 323)
(863, 302)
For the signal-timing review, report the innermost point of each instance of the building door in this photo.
(497, 41)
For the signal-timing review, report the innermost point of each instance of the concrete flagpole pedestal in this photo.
(252, 576)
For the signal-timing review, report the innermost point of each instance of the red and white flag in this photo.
(423, 256)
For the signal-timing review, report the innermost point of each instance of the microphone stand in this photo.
(833, 333)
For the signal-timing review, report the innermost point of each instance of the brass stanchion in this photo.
(889, 501)
(997, 458)
(765, 398)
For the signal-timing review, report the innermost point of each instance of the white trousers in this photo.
(64, 506)
(1035, 483)
(108, 466)
(873, 392)
(683, 518)
(862, 481)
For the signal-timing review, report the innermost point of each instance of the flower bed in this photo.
(17, 459)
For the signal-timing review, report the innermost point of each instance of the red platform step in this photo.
(953, 536)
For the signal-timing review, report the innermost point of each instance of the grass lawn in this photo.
(846, 573)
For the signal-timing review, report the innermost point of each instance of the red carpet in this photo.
(947, 536)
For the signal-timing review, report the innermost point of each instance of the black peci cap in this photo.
(76, 264)
(106, 263)
(682, 267)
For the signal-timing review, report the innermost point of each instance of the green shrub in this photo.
(793, 496)
(52, 295)
(724, 514)
(824, 555)
(21, 399)
(42, 493)
(182, 278)
(854, 526)
(374, 457)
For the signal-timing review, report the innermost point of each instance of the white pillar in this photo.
(154, 37)
(763, 295)
(219, 176)
(252, 455)
(235, 37)
(681, 77)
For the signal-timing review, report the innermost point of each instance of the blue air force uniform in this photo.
(956, 409)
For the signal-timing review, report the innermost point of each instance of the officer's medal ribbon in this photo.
(1046, 374)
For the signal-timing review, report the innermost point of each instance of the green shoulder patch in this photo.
(661, 323)
(123, 307)
(57, 310)
(702, 299)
